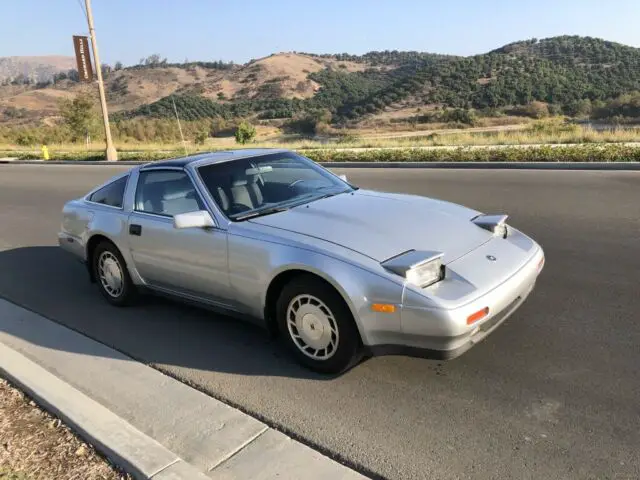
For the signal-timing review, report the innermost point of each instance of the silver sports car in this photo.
(338, 272)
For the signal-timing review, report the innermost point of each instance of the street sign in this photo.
(83, 58)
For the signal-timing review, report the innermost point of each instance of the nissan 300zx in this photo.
(338, 272)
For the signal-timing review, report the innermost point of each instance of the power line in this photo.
(84, 12)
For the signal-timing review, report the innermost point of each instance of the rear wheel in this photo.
(317, 326)
(110, 272)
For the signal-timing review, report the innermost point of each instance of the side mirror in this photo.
(343, 178)
(197, 219)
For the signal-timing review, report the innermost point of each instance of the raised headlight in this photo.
(426, 274)
(496, 224)
(420, 268)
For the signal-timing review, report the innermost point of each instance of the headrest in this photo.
(242, 180)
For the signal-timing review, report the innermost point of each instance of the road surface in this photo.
(553, 393)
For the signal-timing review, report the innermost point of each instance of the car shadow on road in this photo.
(156, 331)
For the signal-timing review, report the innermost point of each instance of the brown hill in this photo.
(282, 75)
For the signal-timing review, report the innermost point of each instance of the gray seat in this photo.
(152, 198)
(246, 191)
(169, 198)
(221, 198)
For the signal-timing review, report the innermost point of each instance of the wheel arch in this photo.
(92, 243)
(90, 248)
(285, 276)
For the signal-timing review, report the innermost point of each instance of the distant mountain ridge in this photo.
(36, 68)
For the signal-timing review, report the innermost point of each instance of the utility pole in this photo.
(112, 155)
(184, 144)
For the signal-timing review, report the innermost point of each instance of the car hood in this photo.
(382, 225)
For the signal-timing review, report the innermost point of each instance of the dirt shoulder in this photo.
(35, 445)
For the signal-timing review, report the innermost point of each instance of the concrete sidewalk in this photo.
(146, 422)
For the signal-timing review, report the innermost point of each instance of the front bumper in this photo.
(443, 334)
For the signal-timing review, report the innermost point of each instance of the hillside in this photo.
(560, 71)
(568, 74)
(37, 69)
(278, 76)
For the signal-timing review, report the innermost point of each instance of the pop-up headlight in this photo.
(419, 267)
(496, 224)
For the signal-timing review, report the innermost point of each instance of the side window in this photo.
(111, 194)
(166, 192)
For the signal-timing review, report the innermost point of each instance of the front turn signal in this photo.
(479, 315)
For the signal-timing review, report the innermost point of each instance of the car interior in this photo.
(170, 197)
(238, 192)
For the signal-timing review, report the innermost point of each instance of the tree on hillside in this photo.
(580, 108)
(106, 70)
(73, 75)
(537, 110)
(245, 132)
(80, 116)
(117, 66)
(153, 60)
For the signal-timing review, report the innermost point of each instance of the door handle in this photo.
(135, 229)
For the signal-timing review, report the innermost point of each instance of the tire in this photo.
(327, 322)
(120, 297)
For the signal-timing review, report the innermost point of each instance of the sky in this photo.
(240, 30)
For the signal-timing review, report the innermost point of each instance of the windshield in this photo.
(269, 183)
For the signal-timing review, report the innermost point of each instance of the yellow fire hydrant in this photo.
(45, 152)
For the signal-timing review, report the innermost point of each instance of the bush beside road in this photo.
(546, 153)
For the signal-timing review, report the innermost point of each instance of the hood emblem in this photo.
(491, 258)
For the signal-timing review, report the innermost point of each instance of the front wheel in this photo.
(317, 326)
(110, 272)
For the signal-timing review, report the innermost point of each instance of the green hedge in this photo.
(581, 153)
(98, 156)
(572, 153)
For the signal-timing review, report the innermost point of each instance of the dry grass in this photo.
(536, 134)
(44, 100)
(288, 71)
(34, 445)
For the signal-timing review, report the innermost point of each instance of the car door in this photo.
(191, 262)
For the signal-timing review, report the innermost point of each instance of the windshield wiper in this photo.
(282, 208)
(330, 194)
(260, 213)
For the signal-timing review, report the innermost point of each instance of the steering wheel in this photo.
(295, 182)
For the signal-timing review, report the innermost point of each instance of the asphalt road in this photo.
(553, 393)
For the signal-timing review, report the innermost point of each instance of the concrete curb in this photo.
(126, 446)
(619, 166)
(148, 423)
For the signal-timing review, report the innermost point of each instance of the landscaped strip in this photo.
(36, 445)
(574, 153)
(546, 153)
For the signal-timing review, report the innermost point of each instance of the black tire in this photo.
(129, 292)
(348, 351)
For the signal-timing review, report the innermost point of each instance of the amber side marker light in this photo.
(383, 307)
(541, 264)
(480, 314)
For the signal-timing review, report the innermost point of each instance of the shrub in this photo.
(201, 137)
(245, 132)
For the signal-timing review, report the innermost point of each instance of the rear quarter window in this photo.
(111, 194)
